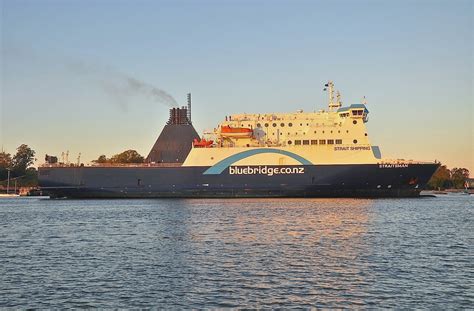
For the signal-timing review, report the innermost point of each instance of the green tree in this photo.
(5, 163)
(459, 176)
(441, 179)
(23, 159)
(101, 159)
(128, 156)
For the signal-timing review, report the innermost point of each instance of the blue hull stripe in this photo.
(220, 166)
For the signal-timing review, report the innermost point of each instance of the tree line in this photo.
(19, 165)
(128, 156)
(445, 178)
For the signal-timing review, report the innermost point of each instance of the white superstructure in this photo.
(338, 135)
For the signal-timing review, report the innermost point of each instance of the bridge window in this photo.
(314, 142)
(297, 142)
(330, 141)
(322, 141)
(338, 141)
(305, 142)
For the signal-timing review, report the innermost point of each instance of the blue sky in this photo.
(413, 60)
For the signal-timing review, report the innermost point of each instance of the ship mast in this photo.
(329, 87)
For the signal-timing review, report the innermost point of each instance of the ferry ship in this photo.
(324, 153)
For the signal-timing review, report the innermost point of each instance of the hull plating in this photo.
(362, 180)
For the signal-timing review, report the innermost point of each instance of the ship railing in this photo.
(114, 165)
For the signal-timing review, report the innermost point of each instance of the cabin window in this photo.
(314, 142)
(259, 125)
(289, 142)
(330, 141)
(347, 131)
(322, 141)
(331, 132)
(338, 141)
(305, 142)
(354, 122)
(290, 124)
(282, 125)
(339, 132)
(274, 124)
(301, 124)
(297, 142)
(314, 132)
(355, 141)
(266, 124)
(139, 182)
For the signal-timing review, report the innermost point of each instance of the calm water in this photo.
(237, 253)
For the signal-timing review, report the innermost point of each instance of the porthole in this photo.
(323, 132)
(355, 141)
(282, 125)
(331, 132)
(259, 125)
(365, 134)
(347, 131)
(339, 132)
(290, 124)
(266, 124)
(274, 124)
(355, 121)
(289, 142)
(314, 132)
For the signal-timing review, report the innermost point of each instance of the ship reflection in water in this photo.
(343, 253)
(308, 250)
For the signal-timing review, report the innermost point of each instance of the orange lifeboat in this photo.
(202, 143)
(238, 132)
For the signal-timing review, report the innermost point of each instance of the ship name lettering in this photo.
(395, 165)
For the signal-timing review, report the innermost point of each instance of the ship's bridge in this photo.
(355, 111)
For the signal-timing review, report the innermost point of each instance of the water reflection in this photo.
(307, 248)
(328, 253)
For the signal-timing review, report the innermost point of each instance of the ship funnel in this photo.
(189, 108)
(179, 116)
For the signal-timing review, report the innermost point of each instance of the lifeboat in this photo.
(202, 143)
(238, 132)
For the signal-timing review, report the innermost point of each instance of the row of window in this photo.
(289, 124)
(319, 142)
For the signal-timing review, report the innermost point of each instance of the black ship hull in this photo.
(354, 180)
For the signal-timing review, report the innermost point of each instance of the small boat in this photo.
(8, 195)
(203, 143)
(237, 132)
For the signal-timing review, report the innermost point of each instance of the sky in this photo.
(66, 67)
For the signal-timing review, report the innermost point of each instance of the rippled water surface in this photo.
(237, 253)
